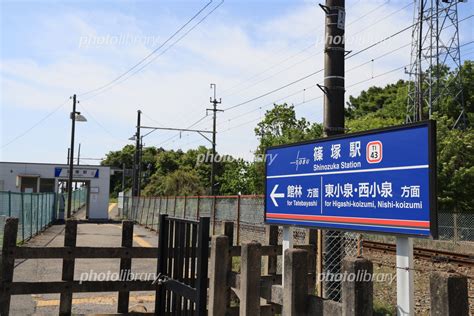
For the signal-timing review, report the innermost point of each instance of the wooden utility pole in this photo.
(334, 55)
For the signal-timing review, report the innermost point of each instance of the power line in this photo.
(150, 54)
(306, 48)
(296, 54)
(313, 86)
(395, 34)
(96, 121)
(162, 52)
(35, 124)
(320, 70)
(312, 99)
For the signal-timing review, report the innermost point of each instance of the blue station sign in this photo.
(378, 181)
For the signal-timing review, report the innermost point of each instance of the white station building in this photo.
(46, 177)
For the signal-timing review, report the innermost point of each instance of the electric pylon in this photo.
(435, 46)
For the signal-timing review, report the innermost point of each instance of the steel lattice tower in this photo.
(435, 44)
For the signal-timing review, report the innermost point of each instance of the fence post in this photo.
(312, 239)
(174, 206)
(37, 214)
(41, 211)
(153, 214)
(357, 294)
(9, 203)
(23, 222)
(229, 232)
(202, 265)
(251, 258)
(295, 291)
(70, 237)
(125, 265)
(184, 209)
(198, 206)
(271, 237)
(218, 287)
(238, 220)
(8, 263)
(31, 217)
(214, 215)
(449, 294)
(160, 296)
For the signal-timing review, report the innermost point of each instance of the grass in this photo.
(383, 308)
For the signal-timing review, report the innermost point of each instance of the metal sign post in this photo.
(286, 244)
(405, 284)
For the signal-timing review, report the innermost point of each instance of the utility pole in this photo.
(71, 158)
(214, 117)
(136, 158)
(334, 55)
(140, 159)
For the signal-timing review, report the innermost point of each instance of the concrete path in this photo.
(92, 235)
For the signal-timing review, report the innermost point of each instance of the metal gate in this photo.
(183, 249)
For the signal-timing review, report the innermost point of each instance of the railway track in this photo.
(423, 253)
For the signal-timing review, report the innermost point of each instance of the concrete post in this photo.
(271, 237)
(357, 287)
(251, 262)
(218, 287)
(295, 291)
(449, 294)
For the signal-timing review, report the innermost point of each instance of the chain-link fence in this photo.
(78, 198)
(35, 211)
(456, 226)
(247, 214)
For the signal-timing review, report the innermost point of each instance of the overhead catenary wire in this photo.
(299, 91)
(161, 53)
(294, 55)
(359, 18)
(273, 91)
(320, 70)
(311, 99)
(150, 54)
(44, 118)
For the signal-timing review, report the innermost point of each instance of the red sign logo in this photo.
(374, 152)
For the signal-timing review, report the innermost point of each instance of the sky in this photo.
(51, 50)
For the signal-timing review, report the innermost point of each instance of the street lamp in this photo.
(75, 116)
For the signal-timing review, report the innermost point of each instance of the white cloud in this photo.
(174, 90)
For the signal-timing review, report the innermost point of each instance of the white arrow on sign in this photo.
(274, 195)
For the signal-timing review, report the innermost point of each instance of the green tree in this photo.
(182, 182)
(281, 126)
(455, 167)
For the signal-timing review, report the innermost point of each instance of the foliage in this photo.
(280, 126)
(455, 166)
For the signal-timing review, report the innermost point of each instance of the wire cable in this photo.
(150, 54)
(318, 71)
(35, 124)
